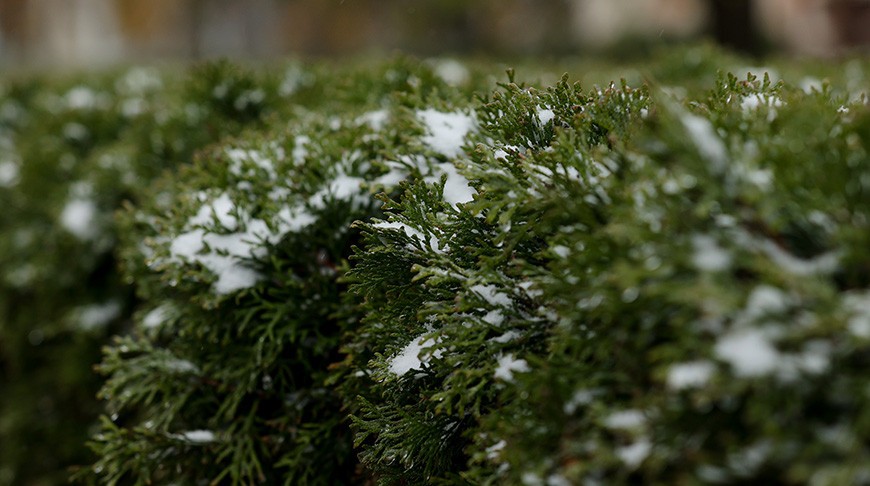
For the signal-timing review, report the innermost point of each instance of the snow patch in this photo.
(220, 209)
(491, 294)
(457, 189)
(708, 143)
(858, 305)
(409, 357)
(300, 149)
(691, 374)
(197, 436)
(625, 420)
(752, 103)
(341, 187)
(634, 454)
(97, 316)
(708, 256)
(446, 132)
(79, 217)
(240, 157)
(492, 452)
(545, 115)
(453, 72)
(180, 366)
(433, 240)
(765, 300)
(223, 253)
(376, 120)
(9, 172)
(749, 352)
(579, 399)
(507, 365)
(156, 317)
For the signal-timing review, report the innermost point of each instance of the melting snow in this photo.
(79, 218)
(434, 243)
(545, 115)
(764, 300)
(709, 145)
(222, 253)
(507, 365)
(445, 132)
(156, 317)
(491, 294)
(180, 366)
(300, 149)
(8, 173)
(580, 398)
(238, 158)
(197, 436)
(708, 255)
(376, 120)
(634, 454)
(457, 189)
(453, 72)
(221, 209)
(749, 352)
(409, 358)
(625, 419)
(343, 187)
(96, 316)
(690, 375)
(753, 102)
(492, 452)
(859, 305)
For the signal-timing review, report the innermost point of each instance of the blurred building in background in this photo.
(72, 33)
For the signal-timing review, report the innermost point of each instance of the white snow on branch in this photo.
(453, 72)
(633, 455)
(241, 157)
(507, 365)
(96, 316)
(545, 115)
(858, 305)
(749, 352)
(196, 436)
(8, 173)
(691, 374)
(376, 120)
(625, 420)
(411, 232)
(708, 143)
(409, 358)
(79, 217)
(708, 256)
(457, 189)
(156, 317)
(224, 253)
(754, 102)
(492, 295)
(446, 132)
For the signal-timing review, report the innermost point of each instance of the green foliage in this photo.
(237, 260)
(369, 274)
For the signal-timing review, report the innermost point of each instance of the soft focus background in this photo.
(87, 33)
(64, 136)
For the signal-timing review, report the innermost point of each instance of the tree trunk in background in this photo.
(733, 26)
(851, 19)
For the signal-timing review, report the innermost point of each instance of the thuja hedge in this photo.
(74, 149)
(562, 285)
(403, 273)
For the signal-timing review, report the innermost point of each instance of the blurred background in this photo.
(88, 33)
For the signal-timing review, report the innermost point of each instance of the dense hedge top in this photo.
(387, 279)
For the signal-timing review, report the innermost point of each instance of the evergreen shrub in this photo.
(395, 274)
